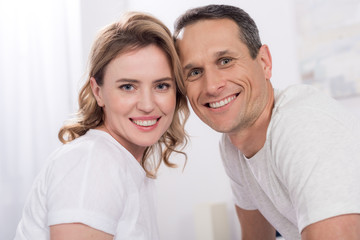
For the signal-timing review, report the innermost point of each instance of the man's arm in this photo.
(77, 231)
(339, 227)
(254, 226)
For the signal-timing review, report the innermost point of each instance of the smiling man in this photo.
(292, 156)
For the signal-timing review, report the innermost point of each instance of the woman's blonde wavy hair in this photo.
(135, 30)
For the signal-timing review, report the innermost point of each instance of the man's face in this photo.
(227, 89)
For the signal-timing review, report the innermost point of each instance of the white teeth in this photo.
(222, 102)
(145, 123)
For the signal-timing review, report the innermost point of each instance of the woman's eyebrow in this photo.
(163, 79)
(127, 80)
(130, 80)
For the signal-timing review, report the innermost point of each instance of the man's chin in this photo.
(221, 128)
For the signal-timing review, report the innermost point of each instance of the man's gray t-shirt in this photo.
(309, 167)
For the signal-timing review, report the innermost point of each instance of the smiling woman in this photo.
(100, 183)
(138, 105)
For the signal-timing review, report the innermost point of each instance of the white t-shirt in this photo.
(309, 167)
(95, 181)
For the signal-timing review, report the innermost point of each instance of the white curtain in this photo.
(40, 70)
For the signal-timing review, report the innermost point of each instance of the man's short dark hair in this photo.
(249, 33)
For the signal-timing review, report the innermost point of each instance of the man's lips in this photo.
(222, 102)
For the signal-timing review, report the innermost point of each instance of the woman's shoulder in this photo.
(94, 151)
(94, 143)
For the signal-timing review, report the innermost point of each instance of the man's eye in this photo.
(127, 87)
(225, 61)
(194, 73)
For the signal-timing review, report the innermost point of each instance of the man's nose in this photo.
(214, 82)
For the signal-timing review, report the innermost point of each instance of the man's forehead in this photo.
(187, 28)
(180, 35)
(201, 32)
(207, 25)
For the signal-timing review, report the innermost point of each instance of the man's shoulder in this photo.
(297, 96)
(307, 103)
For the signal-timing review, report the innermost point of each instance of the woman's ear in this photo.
(96, 89)
(266, 61)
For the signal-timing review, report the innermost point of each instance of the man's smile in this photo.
(222, 102)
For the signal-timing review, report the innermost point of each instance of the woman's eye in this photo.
(127, 87)
(163, 86)
(225, 61)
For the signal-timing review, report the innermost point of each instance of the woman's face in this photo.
(138, 97)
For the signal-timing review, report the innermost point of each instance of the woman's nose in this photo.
(146, 102)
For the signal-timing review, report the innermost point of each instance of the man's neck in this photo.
(250, 140)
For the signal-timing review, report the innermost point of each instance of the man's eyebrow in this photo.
(222, 53)
(216, 55)
(188, 66)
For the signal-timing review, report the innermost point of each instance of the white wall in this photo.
(203, 179)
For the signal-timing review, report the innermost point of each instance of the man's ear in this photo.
(96, 91)
(266, 61)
